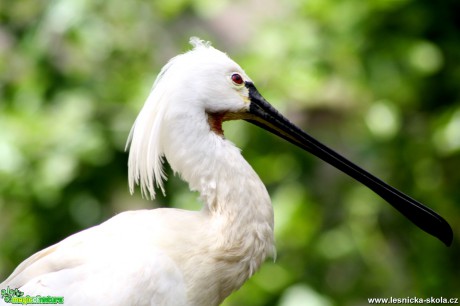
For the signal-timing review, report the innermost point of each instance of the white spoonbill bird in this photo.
(170, 256)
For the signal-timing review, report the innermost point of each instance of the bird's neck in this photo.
(234, 196)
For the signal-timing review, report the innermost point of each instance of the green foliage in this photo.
(376, 80)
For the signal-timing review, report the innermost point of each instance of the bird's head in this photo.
(200, 87)
(204, 79)
(204, 87)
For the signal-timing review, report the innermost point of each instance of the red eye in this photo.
(237, 79)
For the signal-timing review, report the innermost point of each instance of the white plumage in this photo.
(170, 256)
(177, 257)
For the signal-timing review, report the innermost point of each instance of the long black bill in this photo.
(266, 116)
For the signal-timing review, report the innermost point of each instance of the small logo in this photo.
(16, 296)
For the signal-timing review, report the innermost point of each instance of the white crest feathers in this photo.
(145, 163)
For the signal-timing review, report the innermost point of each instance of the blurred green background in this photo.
(376, 80)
